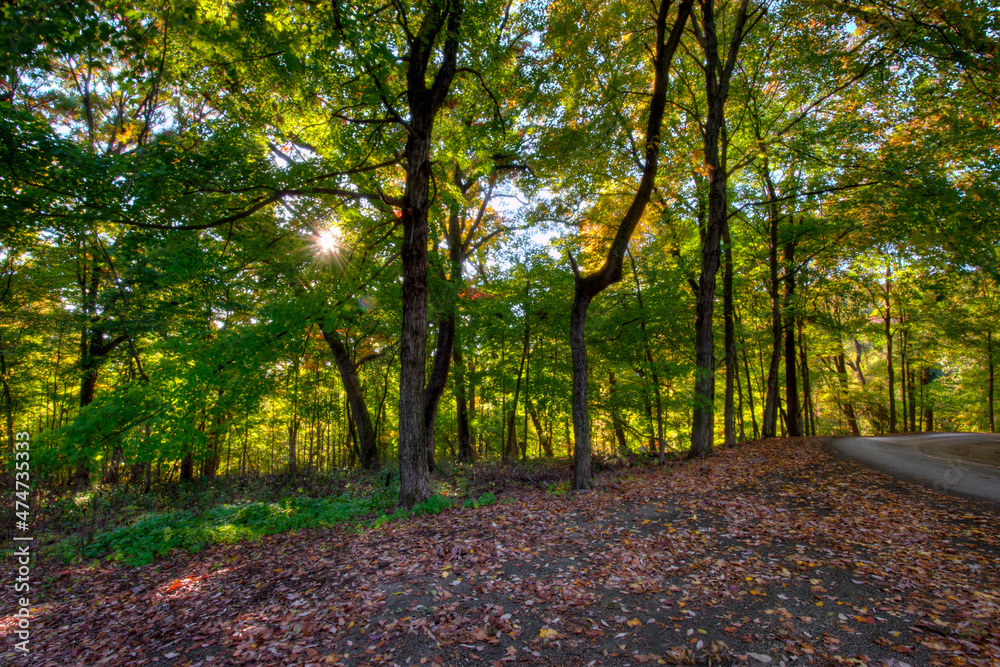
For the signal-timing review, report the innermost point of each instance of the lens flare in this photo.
(328, 240)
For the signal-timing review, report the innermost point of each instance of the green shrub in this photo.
(485, 499)
(158, 534)
(433, 505)
(558, 488)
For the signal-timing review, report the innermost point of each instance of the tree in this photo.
(718, 71)
(590, 285)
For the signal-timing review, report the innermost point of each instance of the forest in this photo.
(254, 238)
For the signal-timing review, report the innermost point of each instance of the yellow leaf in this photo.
(634, 622)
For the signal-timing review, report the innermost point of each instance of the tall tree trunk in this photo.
(911, 394)
(8, 412)
(769, 427)
(543, 438)
(293, 440)
(367, 442)
(616, 422)
(928, 406)
(438, 380)
(503, 394)
(718, 73)
(904, 386)
(187, 468)
(90, 363)
(739, 406)
(647, 348)
(809, 411)
(890, 369)
(526, 401)
(753, 413)
(857, 363)
(445, 19)
(465, 452)
(991, 381)
(588, 287)
(847, 405)
(582, 450)
(647, 407)
(791, 376)
(732, 364)
(94, 349)
(472, 408)
(293, 423)
(511, 447)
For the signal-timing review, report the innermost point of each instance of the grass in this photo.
(122, 524)
(158, 534)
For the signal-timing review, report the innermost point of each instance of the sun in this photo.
(328, 240)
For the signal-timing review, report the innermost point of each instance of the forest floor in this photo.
(771, 553)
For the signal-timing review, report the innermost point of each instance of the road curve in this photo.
(966, 464)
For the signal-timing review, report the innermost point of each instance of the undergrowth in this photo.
(156, 535)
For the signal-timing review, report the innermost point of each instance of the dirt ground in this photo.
(772, 553)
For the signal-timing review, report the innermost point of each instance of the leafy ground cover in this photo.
(772, 553)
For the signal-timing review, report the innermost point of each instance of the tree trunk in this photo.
(909, 381)
(739, 404)
(792, 411)
(88, 386)
(113, 474)
(857, 363)
(647, 407)
(991, 381)
(438, 380)
(718, 72)
(472, 408)
(510, 449)
(543, 438)
(847, 405)
(890, 370)
(293, 439)
(928, 406)
(582, 473)
(526, 401)
(809, 408)
(652, 366)
(367, 442)
(293, 423)
(424, 103)
(465, 452)
(588, 287)
(8, 411)
(616, 422)
(732, 364)
(94, 349)
(753, 413)
(769, 427)
(187, 468)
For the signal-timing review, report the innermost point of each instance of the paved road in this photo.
(964, 463)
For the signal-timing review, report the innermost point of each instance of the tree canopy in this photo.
(254, 237)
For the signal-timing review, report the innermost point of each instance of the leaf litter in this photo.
(772, 553)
